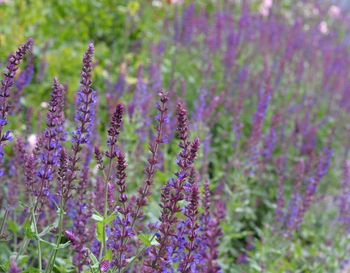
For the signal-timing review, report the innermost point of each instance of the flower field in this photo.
(175, 136)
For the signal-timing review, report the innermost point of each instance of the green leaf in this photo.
(48, 228)
(108, 256)
(99, 231)
(31, 270)
(110, 218)
(97, 217)
(145, 240)
(148, 240)
(95, 263)
(12, 226)
(3, 268)
(60, 246)
(23, 260)
(28, 231)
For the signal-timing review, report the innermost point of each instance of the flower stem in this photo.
(105, 209)
(37, 238)
(59, 237)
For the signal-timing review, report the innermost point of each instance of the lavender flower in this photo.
(322, 167)
(113, 134)
(172, 194)
(52, 139)
(8, 81)
(84, 116)
(23, 80)
(99, 158)
(294, 209)
(83, 213)
(150, 169)
(191, 245)
(62, 175)
(82, 251)
(30, 174)
(210, 233)
(213, 235)
(270, 139)
(142, 99)
(121, 231)
(263, 102)
(187, 24)
(14, 267)
(6, 84)
(105, 266)
(114, 131)
(86, 100)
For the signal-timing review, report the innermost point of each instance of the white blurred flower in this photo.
(95, 170)
(334, 11)
(176, 1)
(157, 4)
(265, 7)
(44, 104)
(315, 11)
(323, 27)
(32, 139)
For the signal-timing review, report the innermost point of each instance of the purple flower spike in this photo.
(86, 100)
(49, 158)
(84, 115)
(192, 231)
(114, 131)
(150, 169)
(6, 84)
(171, 195)
(121, 231)
(104, 266)
(14, 267)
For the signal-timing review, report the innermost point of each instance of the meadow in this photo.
(174, 136)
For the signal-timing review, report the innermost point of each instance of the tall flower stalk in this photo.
(121, 230)
(85, 118)
(124, 227)
(172, 194)
(111, 154)
(52, 141)
(150, 170)
(6, 85)
(191, 213)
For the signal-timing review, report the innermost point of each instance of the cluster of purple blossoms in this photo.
(84, 117)
(86, 99)
(172, 194)
(145, 190)
(306, 182)
(6, 84)
(121, 231)
(52, 139)
(188, 232)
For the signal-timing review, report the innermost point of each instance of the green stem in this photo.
(105, 208)
(37, 238)
(59, 237)
(31, 218)
(23, 247)
(3, 223)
